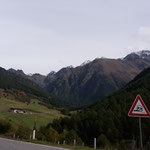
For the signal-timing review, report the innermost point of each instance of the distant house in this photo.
(17, 110)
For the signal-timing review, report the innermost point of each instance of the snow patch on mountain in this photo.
(85, 63)
(143, 53)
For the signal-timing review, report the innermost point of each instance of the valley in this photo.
(95, 98)
(91, 81)
(44, 115)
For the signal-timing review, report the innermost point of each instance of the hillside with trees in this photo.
(17, 87)
(108, 120)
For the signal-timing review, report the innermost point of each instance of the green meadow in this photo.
(44, 115)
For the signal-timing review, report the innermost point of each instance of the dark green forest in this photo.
(11, 82)
(107, 120)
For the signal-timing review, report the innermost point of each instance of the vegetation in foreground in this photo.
(17, 87)
(108, 120)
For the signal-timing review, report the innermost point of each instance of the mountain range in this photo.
(12, 84)
(17, 86)
(92, 80)
(107, 120)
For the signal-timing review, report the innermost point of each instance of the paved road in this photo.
(6, 144)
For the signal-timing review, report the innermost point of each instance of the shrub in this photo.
(63, 135)
(52, 135)
(40, 136)
(69, 137)
(23, 132)
(4, 126)
(123, 145)
(102, 141)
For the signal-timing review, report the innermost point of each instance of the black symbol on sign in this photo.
(139, 108)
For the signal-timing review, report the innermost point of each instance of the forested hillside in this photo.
(12, 81)
(20, 88)
(108, 119)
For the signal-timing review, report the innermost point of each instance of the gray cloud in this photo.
(36, 34)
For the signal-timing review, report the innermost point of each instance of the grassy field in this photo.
(44, 115)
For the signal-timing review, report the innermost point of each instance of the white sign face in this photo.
(139, 109)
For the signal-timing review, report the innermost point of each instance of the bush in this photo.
(52, 135)
(102, 141)
(42, 130)
(23, 132)
(123, 145)
(40, 136)
(69, 137)
(4, 127)
(63, 135)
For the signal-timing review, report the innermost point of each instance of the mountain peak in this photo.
(144, 54)
(18, 72)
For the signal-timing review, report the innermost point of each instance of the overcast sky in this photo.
(45, 35)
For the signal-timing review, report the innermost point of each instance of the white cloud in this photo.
(141, 39)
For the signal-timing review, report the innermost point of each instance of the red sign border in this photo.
(130, 114)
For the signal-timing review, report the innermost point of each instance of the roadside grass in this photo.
(44, 115)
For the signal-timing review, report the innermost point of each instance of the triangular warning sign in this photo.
(138, 108)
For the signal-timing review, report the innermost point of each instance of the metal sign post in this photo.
(139, 110)
(140, 129)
